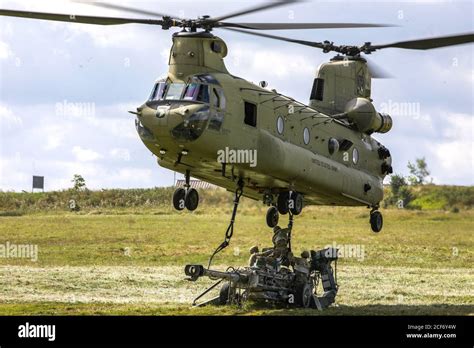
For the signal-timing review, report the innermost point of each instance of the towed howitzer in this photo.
(292, 281)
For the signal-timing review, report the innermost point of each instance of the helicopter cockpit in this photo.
(192, 92)
(202, 95)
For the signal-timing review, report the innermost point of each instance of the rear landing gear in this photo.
(178, 198)
(376, 221)
(186, 197)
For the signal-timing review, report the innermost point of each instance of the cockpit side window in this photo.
(191, 91)
(216, 99)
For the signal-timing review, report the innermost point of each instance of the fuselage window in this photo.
(250, 114)
(333, 145)
(355, 155)
(306, 136)
(280, 125)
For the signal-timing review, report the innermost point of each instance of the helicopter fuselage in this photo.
(220, 127)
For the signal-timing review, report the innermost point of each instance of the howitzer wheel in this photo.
(224, 294)
(303, 295)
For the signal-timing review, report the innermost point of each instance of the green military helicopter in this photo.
(204, 122)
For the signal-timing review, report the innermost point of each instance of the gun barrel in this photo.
(197, 271)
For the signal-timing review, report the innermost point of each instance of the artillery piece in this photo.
(274, 275)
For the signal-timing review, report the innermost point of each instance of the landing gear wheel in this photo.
(376, 221)
(303, 295)
(272, 217)
(178, 199)
(191, 200)
(282, 203)
(297, 203)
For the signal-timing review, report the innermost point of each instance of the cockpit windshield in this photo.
(180, 91)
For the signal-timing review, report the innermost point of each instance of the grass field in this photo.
(130, 261)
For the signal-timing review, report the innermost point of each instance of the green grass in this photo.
(129, 260)
(410, 238)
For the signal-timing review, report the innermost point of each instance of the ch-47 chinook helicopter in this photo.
(322, 153)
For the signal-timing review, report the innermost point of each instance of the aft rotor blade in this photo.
(124, 8)
(376, 71)
(286, 26)
(72, 18)
(254, 9)
(430, 43)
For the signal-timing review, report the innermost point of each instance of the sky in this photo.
(65, 89)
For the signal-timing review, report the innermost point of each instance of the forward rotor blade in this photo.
(285, 26)
(123, 8)
(427, 44)
(78, 19)
(254, 9)
(281, 38)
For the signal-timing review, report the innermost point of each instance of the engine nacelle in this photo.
(362, 113)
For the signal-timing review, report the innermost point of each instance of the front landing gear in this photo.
(186, 197)
(376, 220)
(272, 216)
(287, 202)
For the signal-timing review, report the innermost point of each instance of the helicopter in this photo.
(204, 122)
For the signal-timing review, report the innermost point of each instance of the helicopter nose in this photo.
(166, 120)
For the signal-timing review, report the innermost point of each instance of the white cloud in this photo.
(132, 174)
(8, 119)
(5, 50)
(85, 155)
(120, 154)
(454, 152)
(268, 62)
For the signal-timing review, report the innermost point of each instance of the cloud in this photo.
(85, 155)
(120, 154)
(8, 119)
(254, 60)
(454, 157)
(5, 50)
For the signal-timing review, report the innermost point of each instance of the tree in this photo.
(418, 172)
(396, 183)
(400, 192)
(79, 182)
